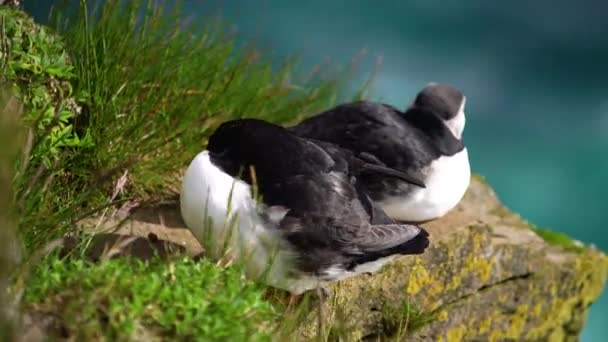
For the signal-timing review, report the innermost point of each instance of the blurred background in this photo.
(534, 73)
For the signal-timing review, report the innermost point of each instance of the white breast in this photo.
(446, 182)
(206, 191)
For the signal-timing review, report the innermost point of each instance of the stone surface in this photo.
(486, 276)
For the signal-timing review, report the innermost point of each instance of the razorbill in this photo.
(425, 140)
(312, 225)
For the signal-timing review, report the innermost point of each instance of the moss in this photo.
(558, 239)
(115, 299)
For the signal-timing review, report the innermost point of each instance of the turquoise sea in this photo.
(534, 72)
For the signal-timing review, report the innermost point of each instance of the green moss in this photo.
(118, 298)
(558, 239)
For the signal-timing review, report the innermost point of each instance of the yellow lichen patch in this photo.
(503, 297)
(592, 270)
(557, 314)
(419, 277)
(518, 322)
(478, 265)
(454, 283)
(557, 335)
(456, 334)
(442, 315)
(553, 289)
(477, 241)
(583, 290)
(447, 280)
(495, 336)
(475, 262)
(484, 268)
(484, 325)
(537, 310)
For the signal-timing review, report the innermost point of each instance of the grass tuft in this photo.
(121, 86)
(129, 298)
(406, 318)
(10, 111)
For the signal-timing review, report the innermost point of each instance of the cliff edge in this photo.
(487, 276)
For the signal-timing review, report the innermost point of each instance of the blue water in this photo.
(534, 73)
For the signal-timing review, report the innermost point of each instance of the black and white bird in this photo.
(313, 224)
(425, 140)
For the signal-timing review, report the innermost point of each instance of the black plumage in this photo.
(407, 140)
(330, 221)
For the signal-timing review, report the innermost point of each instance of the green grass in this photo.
(403, 319)
(10, 109)
(115, 106)
(558, 239)
(129, 298)
(130, 89)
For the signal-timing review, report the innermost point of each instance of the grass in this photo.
(558, 239)
(128, 87)
(117, 98)
(10, 109)
(123, 297)
(403, 319)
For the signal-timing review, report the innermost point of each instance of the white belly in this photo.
(446, 182)
(238, 234)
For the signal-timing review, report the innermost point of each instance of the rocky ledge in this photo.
(488, 276)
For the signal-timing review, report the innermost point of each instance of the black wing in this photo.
(320, 206)
(382, 131)
(367, 164)
(326, 242)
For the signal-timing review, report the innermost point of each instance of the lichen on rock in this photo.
(486, 276)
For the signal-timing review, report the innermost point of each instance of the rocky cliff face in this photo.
(487, 276)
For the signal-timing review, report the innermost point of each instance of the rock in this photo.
(486, 276)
